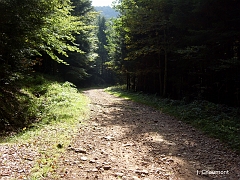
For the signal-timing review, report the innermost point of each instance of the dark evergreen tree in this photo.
(101, 51)
(181, 48)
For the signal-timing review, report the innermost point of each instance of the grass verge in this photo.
(216, 120)
(58, 109)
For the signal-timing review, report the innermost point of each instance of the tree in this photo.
(146, 25)
(181, 48)
(32, 28)
(102, 51)
(35, 32)
(208, 47)
(81, 65)
(116, 49)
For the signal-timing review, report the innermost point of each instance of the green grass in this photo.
(216, 120)
(57, 110)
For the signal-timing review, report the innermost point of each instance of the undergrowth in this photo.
(216, 120)
(55, 111)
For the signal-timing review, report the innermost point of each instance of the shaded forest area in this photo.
(186, 50)
(180, 49)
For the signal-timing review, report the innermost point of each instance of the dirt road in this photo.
(126, 140)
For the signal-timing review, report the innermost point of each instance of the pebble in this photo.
(135, 178)
(130, 144)
(141, 171)
(109, 138)
(119, 174)
(84, 158)
(94, 170)
(79, 150)
(92, 161)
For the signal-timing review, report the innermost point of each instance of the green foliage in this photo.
(216, 120)
(47, 102)
(58, 110)
(178, 48)
(36, 27)
(37, 100)
(42, 28)
(57, 33)
(80, 65)
(113, 44)
(14, 105)
(144, 23)
(116, 50)
(38, 34)
(102, 60)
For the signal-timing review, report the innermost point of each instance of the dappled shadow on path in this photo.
(160, 144)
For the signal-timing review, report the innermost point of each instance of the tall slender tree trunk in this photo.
(165, 72)
(128, 81)
(160, 69)
(166, 65)
(102, 67)
(160, 75)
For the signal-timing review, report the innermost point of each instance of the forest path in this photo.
(127, 140)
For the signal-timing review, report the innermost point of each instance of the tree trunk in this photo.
(166, 65)
(165, 73)
(160, 76)
(128, 81)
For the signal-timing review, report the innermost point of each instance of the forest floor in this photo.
(127, 140)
